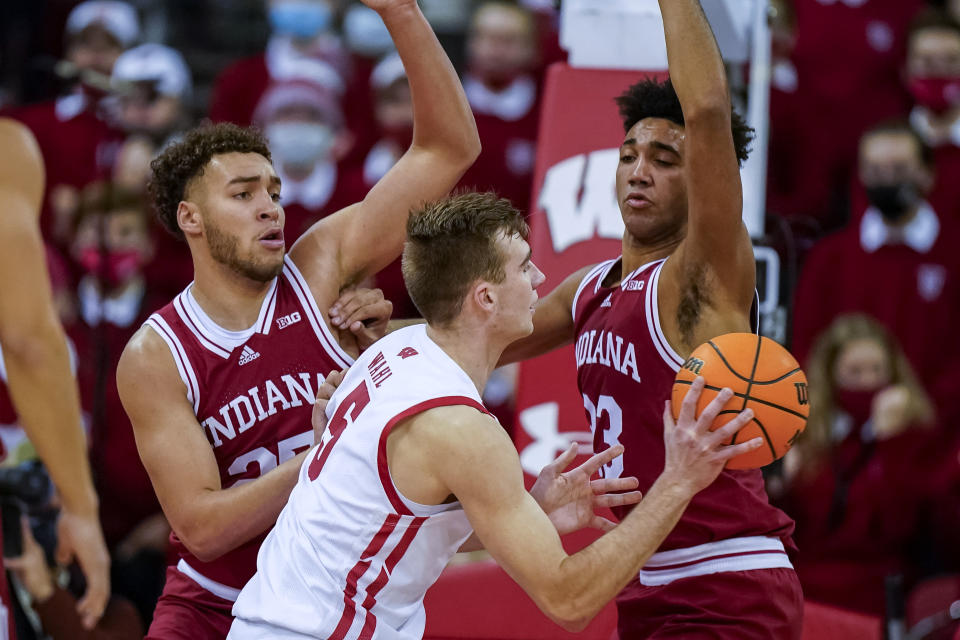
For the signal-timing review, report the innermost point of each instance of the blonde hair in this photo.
(817, 441)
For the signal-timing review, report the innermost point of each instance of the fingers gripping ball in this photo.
(764, 377)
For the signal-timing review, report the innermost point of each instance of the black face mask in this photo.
(893, 200)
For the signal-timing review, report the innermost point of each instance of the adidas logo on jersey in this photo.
(606, 302)
(248, 355)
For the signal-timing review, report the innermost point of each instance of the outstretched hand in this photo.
(80, 538)
(695, 455)
(570, 498)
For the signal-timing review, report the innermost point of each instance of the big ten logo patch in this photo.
(579, 196)
(287, 320)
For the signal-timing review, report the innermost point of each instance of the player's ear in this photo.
(484, 296)
(188, 218)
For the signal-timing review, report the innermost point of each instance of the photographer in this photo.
(57, 608)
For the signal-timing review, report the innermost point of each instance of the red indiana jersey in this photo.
(253, 396)
(625, 371)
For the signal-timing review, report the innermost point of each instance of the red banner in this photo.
(575, 221)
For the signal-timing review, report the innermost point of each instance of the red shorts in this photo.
(187, 611)
(744, 605)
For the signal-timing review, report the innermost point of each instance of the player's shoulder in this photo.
(146, 355)
(454, 425)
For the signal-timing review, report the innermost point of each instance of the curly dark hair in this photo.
(651, 98)
(182, 162)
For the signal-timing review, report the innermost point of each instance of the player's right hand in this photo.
(364, 312)
(324, 393)
(695, 456)
(79, 537)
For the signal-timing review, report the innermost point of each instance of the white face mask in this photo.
(301, 144)
(365, 32)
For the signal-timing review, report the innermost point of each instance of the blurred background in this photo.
(852, 197)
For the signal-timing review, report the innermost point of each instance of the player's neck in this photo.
(231, 300)
(637, 253)
(477, 356)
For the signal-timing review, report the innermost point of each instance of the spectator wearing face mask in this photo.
(933, 79)
(113, 245)
(504, 93)
(77, 143)
(305, 129)
(855, 480)
(152, 91)
(303, 44)
(813, 159)
(897, 261)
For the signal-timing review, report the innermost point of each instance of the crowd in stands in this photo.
(864, 177)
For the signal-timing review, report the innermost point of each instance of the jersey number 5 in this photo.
(606, 423)
(348, 411)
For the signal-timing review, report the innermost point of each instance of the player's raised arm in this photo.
(716, 236)
(473, 458)
(369, 235)
(182, 467)
(37, 362)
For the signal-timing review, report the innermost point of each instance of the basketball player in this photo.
(36, 360)
(219, 384)
(686, 274)
(411, 461)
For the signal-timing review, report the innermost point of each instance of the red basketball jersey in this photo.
(625, 371)
(253, 399)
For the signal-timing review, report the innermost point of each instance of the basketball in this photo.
(764, 377)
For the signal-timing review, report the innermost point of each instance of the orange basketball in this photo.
(764, 377)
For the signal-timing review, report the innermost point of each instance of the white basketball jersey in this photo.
(350, 557)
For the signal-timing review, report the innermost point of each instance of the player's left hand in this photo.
(364, 312)
(79, 537)
(319, 417)
(569, 498)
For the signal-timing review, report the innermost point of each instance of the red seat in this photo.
(824, 622)
(931, 598)
(479, 601)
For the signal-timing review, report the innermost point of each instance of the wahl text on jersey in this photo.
(379, 370)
